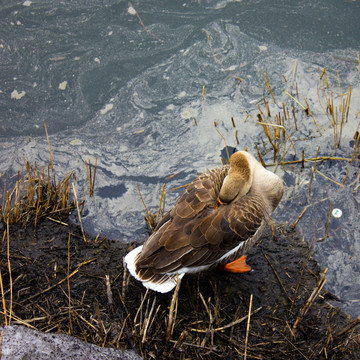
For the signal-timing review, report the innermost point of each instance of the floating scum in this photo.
(218, 218)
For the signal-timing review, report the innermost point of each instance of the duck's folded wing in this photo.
(202, 241)
(224, 230)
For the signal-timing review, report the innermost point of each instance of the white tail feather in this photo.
(165, 286)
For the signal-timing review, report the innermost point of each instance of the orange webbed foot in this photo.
(237, 266)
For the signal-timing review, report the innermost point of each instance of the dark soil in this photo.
(59, 285)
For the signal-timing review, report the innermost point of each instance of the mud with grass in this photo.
(57, 278)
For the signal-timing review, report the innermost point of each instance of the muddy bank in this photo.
(60, 283)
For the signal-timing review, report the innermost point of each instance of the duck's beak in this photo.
(219, 202)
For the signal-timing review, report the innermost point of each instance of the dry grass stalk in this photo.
(108, 290)
(277, 275)
(233, 323)
(61, 281)
(328, 221)
(173, 310)
(48, 140)
(300, 216)
(125, 282)
(248, 327)
(210, 329)
(79, 212)
(322, 73)
(3, 295)
(149, 216)
(275, 129)
(68, 284)
(91, 177)
(312, 298)
(275, 139)
(308, 111)
(295, 99)
(161, 205)
(226, 148)
(297, 287)
(313, 170)
(303, 159)
(348, 327)
(260, 156)
(267, 84)
(140, 308)
(329, 178)
(149, 320)
(293, 111)
(293, 76)
(10, 275)
(319, 158)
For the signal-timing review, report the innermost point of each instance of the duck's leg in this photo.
(237, 266)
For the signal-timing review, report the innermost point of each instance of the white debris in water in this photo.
(231, 68)
(188, 113)
(16, 95)
(27, 3)
(62, 85)
(97, 60)
(131, 10)
(185, 52)
(262, 48)
(110, 33)
(106, 109)
(336, 213)
(34, 85)
(182, 94)
(76, 142)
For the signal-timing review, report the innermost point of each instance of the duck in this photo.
(218, 218)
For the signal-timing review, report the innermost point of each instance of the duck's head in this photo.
(240, 177)
(247, 173)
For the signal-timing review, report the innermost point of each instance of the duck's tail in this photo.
(159, 282)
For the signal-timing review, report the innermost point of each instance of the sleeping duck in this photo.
(215, 221)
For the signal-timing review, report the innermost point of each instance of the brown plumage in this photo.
(218, 218)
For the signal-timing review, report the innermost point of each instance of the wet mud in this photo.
(62, 283)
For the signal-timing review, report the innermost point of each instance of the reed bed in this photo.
(36, 195)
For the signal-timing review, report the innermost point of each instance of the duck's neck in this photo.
(269, 185)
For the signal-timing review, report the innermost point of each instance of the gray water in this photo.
(144, 101)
